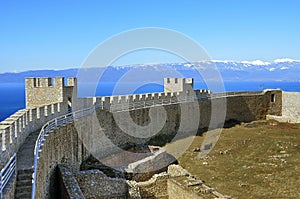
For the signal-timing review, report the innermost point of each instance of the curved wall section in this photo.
(15, 129)
(73, 142)
(61, 146)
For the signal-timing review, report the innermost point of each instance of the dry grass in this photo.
(257, 160)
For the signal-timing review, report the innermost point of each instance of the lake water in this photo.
(13, 94)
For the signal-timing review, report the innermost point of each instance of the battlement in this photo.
(178, 84)
(42, 91)
(135, 101)
(42, 82)
(15, 129)
(47, 99)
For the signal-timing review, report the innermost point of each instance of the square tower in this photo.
(178, 84)
(46, 91)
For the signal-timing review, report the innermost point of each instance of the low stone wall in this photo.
(176, 183)
(68, 185)
(156, 187)
(175, 190)
(181, 184)
(94, 184)
(176, 170)
(90, 184)
(144, 169)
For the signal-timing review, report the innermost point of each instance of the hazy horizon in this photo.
(61, 34)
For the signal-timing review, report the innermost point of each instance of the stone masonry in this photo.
(47, 99)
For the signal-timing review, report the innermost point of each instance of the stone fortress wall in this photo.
(290, 108)
(178, 84)
(243, 107)
(180, 92)
(65, 145)
(44, 102)
(41, 91)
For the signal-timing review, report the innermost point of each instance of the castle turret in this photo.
(45, 91)
(178, 84)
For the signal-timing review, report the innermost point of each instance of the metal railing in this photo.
(47, 129)
(150, 103)
(66, 119)
(10, 167)
(7, 172)
(234, 94)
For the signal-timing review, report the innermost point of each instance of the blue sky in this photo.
(60, 34)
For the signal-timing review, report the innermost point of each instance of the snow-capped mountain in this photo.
(278, 70)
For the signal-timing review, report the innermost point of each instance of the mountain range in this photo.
(278, 70)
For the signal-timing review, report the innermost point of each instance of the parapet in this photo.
(42, 82)
(15, 129)
(72, 81)
(178, 84)
(43, 91)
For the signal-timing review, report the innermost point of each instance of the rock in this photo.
(223, 152)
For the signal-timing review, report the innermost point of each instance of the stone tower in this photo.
(178, 84)
(46, 91)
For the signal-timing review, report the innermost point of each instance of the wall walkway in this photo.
(240, 106)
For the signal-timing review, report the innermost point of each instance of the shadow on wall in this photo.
(68, 145)
(239, 109)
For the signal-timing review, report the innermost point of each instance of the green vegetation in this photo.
(256, 160)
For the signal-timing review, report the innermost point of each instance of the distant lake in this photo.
(12, 99)
(13, 94)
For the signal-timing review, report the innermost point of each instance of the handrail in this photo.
(5, 174)
(117, 107)
(234, 94)
(68, 118)
(47, 129)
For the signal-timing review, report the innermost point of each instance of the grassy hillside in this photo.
(256, 160)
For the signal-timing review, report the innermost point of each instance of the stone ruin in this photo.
(174, 182)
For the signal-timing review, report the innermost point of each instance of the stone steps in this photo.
(21, 183)
(25, 167)
(22, 177)
(25, 171)
(23, 196)
(24, 189)
(24, 183)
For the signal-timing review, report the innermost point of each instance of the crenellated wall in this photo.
(41, 91)
(101, 134)
(15, 129)
(47, 99)
(135, 101)
(178, 84)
